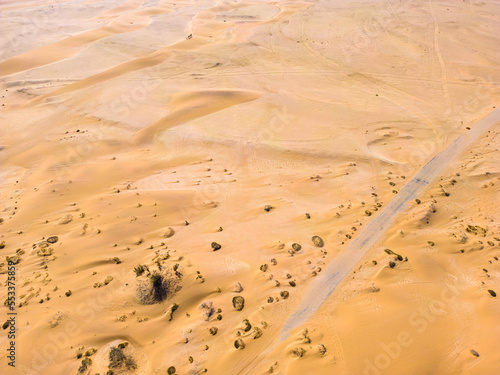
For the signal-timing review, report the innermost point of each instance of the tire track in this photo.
(341, 266)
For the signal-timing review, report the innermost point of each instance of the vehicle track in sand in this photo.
(319, 290)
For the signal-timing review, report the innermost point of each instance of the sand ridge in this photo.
(203, 164)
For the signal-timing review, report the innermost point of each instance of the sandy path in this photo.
(321, 288)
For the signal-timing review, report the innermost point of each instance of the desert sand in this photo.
(248, 187)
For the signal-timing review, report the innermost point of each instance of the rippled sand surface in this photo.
(186, 153)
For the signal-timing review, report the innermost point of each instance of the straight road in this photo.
(321, 288)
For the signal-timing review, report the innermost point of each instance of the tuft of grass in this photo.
(157, 287)
(119, 360)
(172, 310)
(86, 363)
(390, 252)
(140, 269)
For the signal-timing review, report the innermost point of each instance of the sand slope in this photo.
(148, 132)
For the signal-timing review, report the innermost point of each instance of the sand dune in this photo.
(231, 187)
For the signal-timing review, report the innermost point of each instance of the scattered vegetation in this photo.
(476, 229)
(492, 292)
(172, 310)
(119, 360)
(390, 252)
(140, 269)
(298, 352)
(86, 363)
(157, 287)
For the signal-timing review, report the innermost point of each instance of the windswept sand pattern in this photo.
(250, 187)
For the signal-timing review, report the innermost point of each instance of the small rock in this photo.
(66, 219)
(52, 239)
(169, 232)
(216, 246)
(474, 353)
(318, 241)
(268, 208)
(492, 292)
(284, 294)
(239, 344)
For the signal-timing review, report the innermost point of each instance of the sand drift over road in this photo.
(343, 264)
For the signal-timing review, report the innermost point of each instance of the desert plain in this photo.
(250, 187)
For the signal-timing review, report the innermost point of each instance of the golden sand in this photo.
(182, 151)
